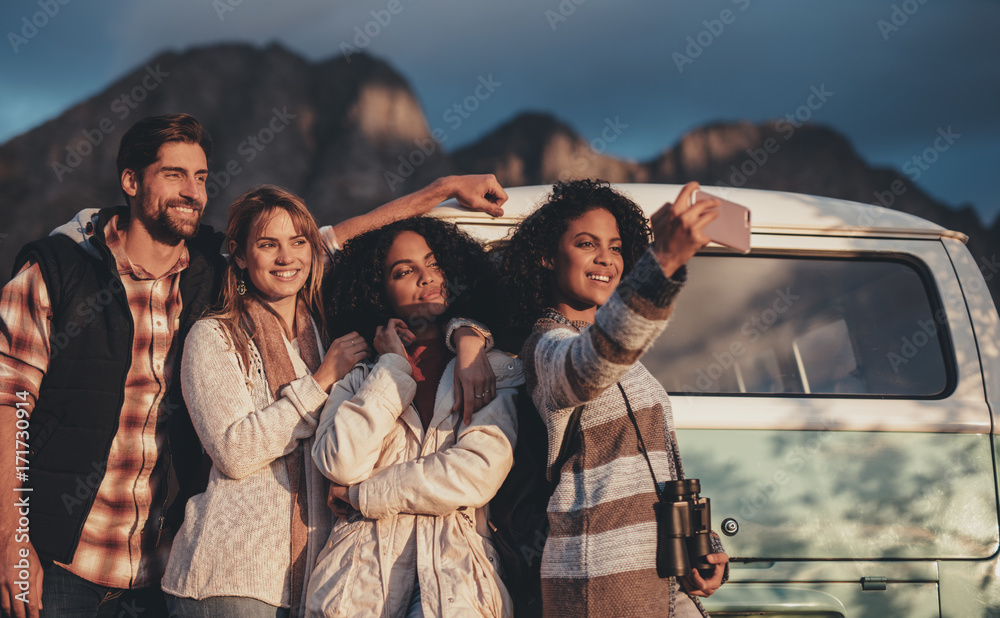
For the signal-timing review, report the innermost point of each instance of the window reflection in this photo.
(809, 326)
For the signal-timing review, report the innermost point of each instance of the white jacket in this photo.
(421, 496)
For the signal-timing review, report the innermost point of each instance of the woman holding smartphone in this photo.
(591, 294)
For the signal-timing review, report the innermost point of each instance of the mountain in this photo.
(348, 134)
(535, 148)
(329, 131)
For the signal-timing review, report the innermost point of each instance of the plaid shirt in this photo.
(118, 545)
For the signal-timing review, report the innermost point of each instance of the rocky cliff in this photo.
(537, 149)
(349, 135)
(329, 131)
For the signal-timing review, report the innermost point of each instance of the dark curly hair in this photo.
(355, 288)
(525, 283)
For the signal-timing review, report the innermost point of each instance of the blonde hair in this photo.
(249, 214)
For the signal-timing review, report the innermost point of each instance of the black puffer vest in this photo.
(76, 415)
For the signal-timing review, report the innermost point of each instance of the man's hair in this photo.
(140, 146)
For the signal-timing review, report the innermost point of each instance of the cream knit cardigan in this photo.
(236, 537)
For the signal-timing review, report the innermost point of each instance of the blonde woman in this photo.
(255, 378)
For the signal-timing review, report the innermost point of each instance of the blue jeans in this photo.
(65, 595)
(415, 610)
(223, 607)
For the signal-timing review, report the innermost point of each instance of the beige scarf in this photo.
(280, 372)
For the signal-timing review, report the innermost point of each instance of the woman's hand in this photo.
(475, 382)
(393, 338)
(339, 500)
(697, 586)
(344, 353)
(679, 228)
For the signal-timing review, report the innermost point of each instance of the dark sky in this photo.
(896, 71)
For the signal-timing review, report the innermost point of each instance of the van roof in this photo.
(771, 212)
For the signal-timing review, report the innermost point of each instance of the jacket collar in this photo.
(508, 372)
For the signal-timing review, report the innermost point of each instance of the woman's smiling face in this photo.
(587, 264)
(278, 260)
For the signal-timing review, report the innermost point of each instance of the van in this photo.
(834, 391)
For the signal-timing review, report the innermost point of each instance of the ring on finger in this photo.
(478, 396)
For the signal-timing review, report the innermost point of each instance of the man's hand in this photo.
(475, 382)
(12, 584)
(697, 586)
(477, 192)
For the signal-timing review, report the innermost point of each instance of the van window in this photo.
(805, 327)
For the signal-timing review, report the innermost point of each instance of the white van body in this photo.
(835, 392)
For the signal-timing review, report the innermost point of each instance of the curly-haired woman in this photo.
(255, 379)
(591, 294)
(411, 477)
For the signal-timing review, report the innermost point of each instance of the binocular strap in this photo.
(642, 444)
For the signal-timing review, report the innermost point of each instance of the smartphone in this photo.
(732, 227)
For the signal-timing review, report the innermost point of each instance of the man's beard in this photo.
(165, 229)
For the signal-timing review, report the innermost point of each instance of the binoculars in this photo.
(683, 526)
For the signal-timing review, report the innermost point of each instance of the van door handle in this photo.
(873, 583)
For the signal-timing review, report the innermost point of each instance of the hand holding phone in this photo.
(732, 227)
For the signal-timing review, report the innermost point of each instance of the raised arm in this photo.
(476, 192)
(475, 382)
(240, 437)
(573, 369)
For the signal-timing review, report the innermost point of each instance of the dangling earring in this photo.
(241, 288)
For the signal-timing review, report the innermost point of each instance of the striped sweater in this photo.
(600, 557)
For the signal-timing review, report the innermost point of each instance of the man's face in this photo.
(168, 197)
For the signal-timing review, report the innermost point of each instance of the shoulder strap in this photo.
(642, 444)
(564, 448)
